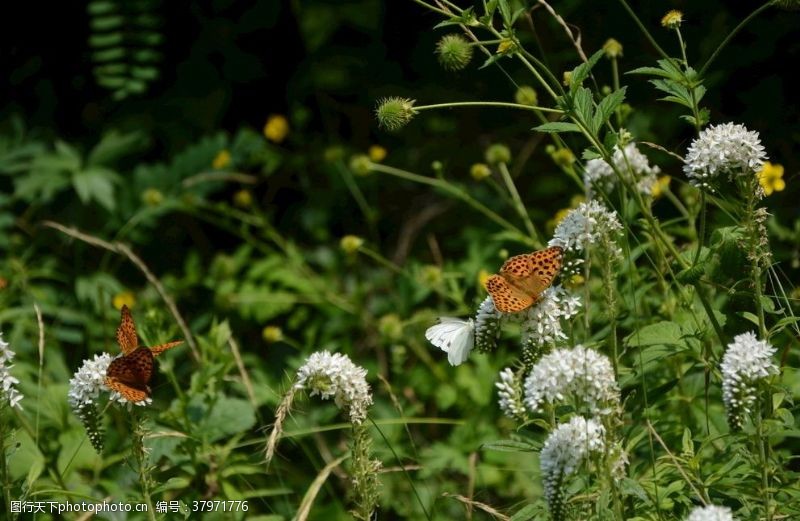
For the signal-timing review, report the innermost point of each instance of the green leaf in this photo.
(660, 333)
(606, 108)
(511, 446)
(527, 513)
(581, 72)
(583, 105)
(95, 184)
(227, 417)
(114, 146)
(558, 126)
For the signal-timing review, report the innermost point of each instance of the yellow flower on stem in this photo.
(276, 128)
(376, 153)
(124, 298)
(221, 160)
(771, 178)
(660, 186)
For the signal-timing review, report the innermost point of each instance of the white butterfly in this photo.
(454, 336)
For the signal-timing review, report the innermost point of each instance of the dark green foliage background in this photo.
(226, 66)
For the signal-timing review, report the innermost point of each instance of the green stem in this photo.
(615, 79)
(644, 30)
(518, 204)
(732, 34)
(4, 479)
(487, 104)
(456, 192)
(763, 463)
(140, 456)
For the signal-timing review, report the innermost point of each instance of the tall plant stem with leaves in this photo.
(5, 480)
(139, 452)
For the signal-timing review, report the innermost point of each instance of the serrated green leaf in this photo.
(606, 108)
(557, 126)
(581, 72)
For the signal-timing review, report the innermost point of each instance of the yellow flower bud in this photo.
(276, 128)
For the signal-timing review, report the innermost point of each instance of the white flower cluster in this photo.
(335, 375)
(723, 149)
(587, 224)
(509, 391)
(566, 449)
(711, 513)
(8, 384)
(746, 361)
(487, 325)
(579, 373)
(541, 323)
(630, 162)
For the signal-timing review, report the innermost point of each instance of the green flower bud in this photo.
(394, 113)
(498, 153)
(454, 52)
(526, 95)
(360, 164)
(480, 171)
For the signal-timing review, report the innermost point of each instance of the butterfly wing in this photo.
(507, 298)
(453, 336)
(126, 332)
(157, 350)
(129, 374)
(541, 268)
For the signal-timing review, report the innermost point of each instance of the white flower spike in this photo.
(454, 336)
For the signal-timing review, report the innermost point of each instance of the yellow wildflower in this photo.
(672, 20)
(272, 334)
(506, 46)
(563, 157)
(152, 197)
(479, 171)
(376, 153)
(483, 276)
(351, 243)
(243, 198)
(124, 298)
(612, 48)
(221, 160)
(771, 178)
(276, 128)
(660, 186)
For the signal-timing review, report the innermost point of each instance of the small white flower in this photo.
(8, 384)
(487, 325)
(579, 374)
(630, 162)
(509, 391)
(723, 149)
(335, 375)
(711, 513)
(454, 336)
(565, 451)
(87, 382)
(746, 361)
(586, 225)
(541, 323)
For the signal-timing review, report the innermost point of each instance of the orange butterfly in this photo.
(523, 278)
(130, 373)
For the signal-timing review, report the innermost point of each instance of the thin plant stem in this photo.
(488, 104)
(644, 30)
(139, 454)
(455, 191)
(733, 33)
(518, 204)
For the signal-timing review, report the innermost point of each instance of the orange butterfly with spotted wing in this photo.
(130, 373)
(523, 278)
